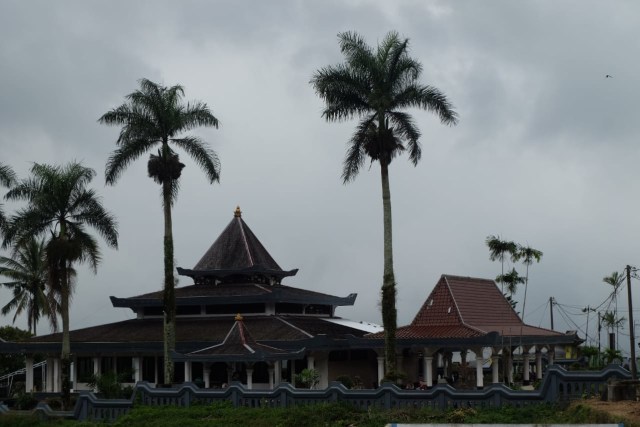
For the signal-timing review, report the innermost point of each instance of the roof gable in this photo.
(472, 303)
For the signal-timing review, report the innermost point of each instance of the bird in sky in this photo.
(608, 76)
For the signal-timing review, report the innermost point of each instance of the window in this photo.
(84, 369)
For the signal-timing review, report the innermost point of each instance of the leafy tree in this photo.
(12, 362)
(528, 255)
(376, 86)
(61, 207)
(155, 116)
(612, 322)
(611, 355)
(27, 270)
(498, 250)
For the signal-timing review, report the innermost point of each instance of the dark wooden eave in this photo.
(245, 293)
(289, 333)
(244, 272)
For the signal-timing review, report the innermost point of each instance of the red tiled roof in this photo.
(459, 305)
(412, 331)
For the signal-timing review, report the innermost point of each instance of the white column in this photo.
(96, 370)
(271, 370)
(206, 372)
(96, 366)
(187, 371)
(538, 364)
(49, 375)
(28, 386)
(136, 363)
(310, 362)
(479, 374)
(525, 365)
(427, 368)
(250, 378)
(494, 368)
(380, 369)
(74, 373)
(56, 375)
(550, 355)
(278, 372)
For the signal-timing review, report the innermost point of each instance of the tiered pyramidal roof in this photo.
(237, 256)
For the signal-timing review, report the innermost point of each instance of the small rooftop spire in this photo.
(238, 317)
(237, 213)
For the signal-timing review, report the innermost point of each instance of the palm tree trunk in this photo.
(66, 342)
(169, 284)
(524, 303)
(389, 313)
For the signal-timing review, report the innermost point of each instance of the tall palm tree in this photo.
(527, 254)
(376, 86)
(27, 270)
(7, 178)
(61, 207)
(155, 116)
(615, 280)
(499, 250)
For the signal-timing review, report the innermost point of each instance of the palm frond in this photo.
(205, 157)
(197, 114)
(123, 156)
(356, 151)
(7, 175)
(344, 91)
(405, 128)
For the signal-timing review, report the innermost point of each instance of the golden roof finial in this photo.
(238, 317)
(237, 213)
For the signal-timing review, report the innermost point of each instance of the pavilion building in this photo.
(238, 322)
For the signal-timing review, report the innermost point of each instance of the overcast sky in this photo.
(545, 152)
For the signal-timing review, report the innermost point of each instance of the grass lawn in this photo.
(331, 415)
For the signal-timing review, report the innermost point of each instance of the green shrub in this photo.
(345, 380)
(25, 401)
(308, 378)
(109, 385)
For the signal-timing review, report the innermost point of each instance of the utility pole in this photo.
(599, 333)
(551, 310)
(587, 310)
(632, 338)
